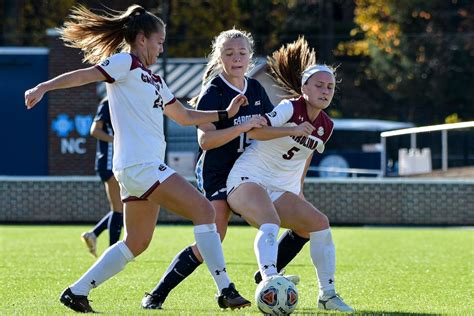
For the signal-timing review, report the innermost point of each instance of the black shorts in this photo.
(105, 175)
(219, 194)
(213, 184)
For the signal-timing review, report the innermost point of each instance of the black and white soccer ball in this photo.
(276, 296)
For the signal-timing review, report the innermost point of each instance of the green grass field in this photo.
(379, 271)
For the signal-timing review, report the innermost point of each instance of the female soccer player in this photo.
(101, 129)
(138, 99)
(264, 185)
(221, 144)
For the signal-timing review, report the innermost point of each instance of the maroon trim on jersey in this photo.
(136, 63)
(157, 78)
(300, 115)
(108, 78)
(171, 102)
(269, 123)
(150, 190)
(132, 198)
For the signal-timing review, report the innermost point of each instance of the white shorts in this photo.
(139, 181)
(234, 180)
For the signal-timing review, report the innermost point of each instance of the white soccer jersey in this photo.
(279, 163)
(137, 98)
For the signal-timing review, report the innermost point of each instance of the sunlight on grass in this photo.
(379, 270)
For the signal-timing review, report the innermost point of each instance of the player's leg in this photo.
(115, 222)
(140, 221)
(290, 244)
(297, 213)
(252, 202)
(90, 237)
(198, 209)
(185, 262)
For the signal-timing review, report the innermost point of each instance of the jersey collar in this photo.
(234, 87)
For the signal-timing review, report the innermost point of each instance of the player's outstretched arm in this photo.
(269, 132)
(185, 116)
(71, 79)
(209, 137)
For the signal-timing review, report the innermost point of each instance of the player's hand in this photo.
(254, 122)
(33, 96)
(304, 129)
(235, 104)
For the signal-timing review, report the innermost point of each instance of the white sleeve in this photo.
(281, 114)
(116, 67)
(166, 94)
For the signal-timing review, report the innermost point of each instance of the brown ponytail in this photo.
(100, 36)
(288, 63)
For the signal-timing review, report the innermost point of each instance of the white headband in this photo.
(312, 70)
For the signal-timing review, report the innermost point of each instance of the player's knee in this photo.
(137, 245)
(318, 221)
(204, 214)
(323, 221)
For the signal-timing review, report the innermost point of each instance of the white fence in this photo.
(415, 130)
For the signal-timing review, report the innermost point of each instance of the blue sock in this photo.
(102, 224)
(115, 225)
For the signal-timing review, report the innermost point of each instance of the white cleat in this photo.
(335, 303)
(90, 240)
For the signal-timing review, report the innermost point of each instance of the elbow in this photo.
(204, 144)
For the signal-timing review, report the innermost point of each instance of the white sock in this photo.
(209, 245)
(112, 261)
(265, 247)
(323, 255)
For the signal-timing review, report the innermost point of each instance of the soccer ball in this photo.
(276, 296)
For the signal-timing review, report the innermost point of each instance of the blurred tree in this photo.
(25, 21)
(193, 24)
(264, 19)
(421, 53)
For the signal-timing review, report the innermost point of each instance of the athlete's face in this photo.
(151, 48)
(319, 89)
(235, 57)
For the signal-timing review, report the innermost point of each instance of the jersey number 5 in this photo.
(290, 153)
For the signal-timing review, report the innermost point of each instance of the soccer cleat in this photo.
(78, 303)
(90, 240)
(335, 303)
(230, 298)
(152, 301)
(290, 277)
